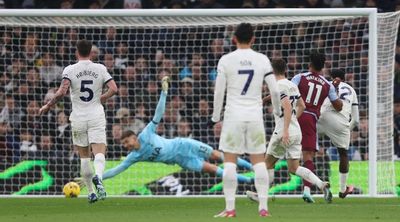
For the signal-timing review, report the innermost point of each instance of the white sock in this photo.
(271, 175)
(310, 177)
(87, 173)
(343, 181)
(262, 185)
(99, 164)
(230, 184)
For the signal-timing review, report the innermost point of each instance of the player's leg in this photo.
(97, 140)
(219, 156)
(270, 161)
(211, 168)
(81, 142)
(343, 173)
(308, 125)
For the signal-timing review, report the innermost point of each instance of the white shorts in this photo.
(85, 133)
(336, 128)
(278, 150)
(243, 137)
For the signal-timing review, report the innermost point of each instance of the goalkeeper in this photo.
(187, 153)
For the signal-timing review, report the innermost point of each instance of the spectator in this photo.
(201, 129)
(11, 114)
(31, 52)
(129, 122)
(108, 62)
(115, 150)
(209, 4)
(27, 145)
(132, 4)
(63, 133)
(50, 73)
(121, 59)
(107, 45)
(95, 54)
(184, 128)
(196, 60)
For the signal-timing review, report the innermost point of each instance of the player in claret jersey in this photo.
(314, 88)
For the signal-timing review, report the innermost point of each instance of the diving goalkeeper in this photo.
(187, 153)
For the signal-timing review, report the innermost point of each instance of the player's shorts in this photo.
(308, 125)
(192, 154)
(336, 128)
(241, 137)
(278, 150)
(88, 132)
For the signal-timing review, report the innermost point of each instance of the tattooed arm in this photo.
(59, 94)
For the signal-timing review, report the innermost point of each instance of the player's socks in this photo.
(271, 175)
(99, 164)
(261, 184)
(229, 184)
(343, 181)
(240, 178)
(310, 177)
(87, 173)
(309, 165)
(245, 164)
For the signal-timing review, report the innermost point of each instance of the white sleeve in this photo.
(106, 76)
(219, 92)
(65, 73)
(355, 116)
(275, 95)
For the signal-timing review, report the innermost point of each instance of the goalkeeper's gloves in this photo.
(165, 83)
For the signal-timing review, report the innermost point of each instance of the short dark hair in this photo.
(279, 66)
(338, 73)
(244, 32)
(127, 133)
(317, 60)
(84, 47)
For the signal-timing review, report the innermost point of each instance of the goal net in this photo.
(36, 152)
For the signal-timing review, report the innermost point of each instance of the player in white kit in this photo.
(85, 80)
(338, 126)
(286, 139)
(242, 73)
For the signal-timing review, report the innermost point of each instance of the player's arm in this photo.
(160, 109)
(112, 90)
(273, 90)
(333, 97)
(219, 93)
(355, 116)
(119, 168)
(65, 83)
(287, 116)
(300, 107)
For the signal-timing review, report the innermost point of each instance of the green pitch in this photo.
(193, 210)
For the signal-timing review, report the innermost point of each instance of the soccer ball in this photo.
(71, 189)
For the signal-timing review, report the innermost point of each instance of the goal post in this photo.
(140, 46)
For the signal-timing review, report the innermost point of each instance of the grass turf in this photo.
(194, 209)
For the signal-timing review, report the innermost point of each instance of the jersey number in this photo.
(347, 92)
(88, 90)
(311, 87)
(249, 72)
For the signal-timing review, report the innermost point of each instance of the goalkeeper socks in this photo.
(262, 185)
(99, 164)
(309, 176)
(343, 181)
(229, 184)
(240, 178)
(309, 164)
(271, 175)
(245, 164)
(87, 173)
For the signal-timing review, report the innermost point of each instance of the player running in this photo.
(286, 139)
(187, 153)
(86, 80)
(338, 126)
(241, 73)
(314, 88)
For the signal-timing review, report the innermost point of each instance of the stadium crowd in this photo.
(32, 60)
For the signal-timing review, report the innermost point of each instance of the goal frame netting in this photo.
(371, 13)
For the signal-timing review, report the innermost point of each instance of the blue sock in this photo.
(240, 178)
(243, 163)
